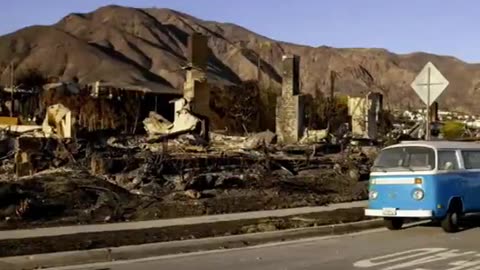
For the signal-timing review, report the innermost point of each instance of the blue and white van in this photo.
(436, 180)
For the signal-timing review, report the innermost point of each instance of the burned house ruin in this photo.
(290, 105)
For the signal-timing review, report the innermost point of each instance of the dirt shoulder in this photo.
(87, 241)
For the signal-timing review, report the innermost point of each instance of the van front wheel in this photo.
(393, 223)
(450, 222)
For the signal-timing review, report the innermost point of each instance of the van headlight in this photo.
(373, 195)
(418, 194)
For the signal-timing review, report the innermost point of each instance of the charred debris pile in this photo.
(49, 179)
(104, 152)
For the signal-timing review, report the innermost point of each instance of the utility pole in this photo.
(331, 97)
(262, 47)
(12, 81)
(427, 136)
(333, 75)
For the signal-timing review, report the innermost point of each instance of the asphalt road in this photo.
(416, 248)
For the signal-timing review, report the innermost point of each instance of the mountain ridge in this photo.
(148, 47)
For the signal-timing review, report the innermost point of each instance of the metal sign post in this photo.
(427, 134)
(428, 85)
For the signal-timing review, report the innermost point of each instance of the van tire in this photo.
(450, 222)
(393, 224)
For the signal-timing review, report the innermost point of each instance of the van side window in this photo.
(471, 159)
(447, 160)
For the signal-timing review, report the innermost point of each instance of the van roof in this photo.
(439, 144)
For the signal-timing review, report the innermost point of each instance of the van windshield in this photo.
(412, 158)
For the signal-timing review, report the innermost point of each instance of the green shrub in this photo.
(452, 130)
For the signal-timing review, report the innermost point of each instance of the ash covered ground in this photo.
(129, 180)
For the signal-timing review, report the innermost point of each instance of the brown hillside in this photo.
(148, 47)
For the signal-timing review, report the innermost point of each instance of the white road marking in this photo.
(429, 259)
(397, 256)
(461, 265)
(410, 259)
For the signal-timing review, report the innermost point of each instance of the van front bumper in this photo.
(399, 213)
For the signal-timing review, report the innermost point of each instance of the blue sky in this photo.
(438, 26)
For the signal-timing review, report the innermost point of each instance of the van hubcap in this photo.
(454, 218)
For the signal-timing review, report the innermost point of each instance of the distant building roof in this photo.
(145, 87)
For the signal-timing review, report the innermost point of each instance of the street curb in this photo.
(162, 223)
(70, 258)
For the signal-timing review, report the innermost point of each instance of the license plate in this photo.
(389, 211)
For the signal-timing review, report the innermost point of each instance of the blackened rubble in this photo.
(109, 159)
(176, 179)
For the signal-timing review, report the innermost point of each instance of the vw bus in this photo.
(436, 180)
